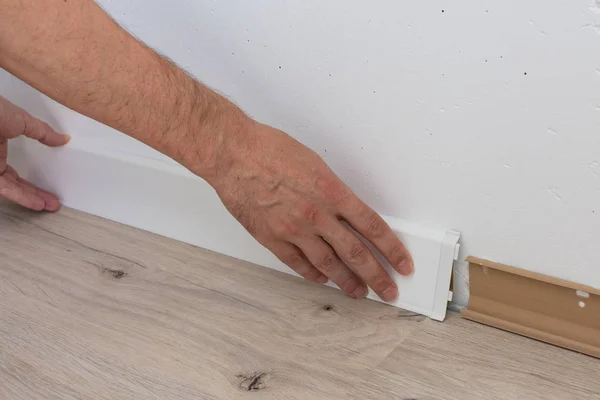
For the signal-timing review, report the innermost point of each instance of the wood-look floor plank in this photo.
(91, 309)
(94, 309)
(460, 359)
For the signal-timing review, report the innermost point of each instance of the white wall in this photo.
(478, 116)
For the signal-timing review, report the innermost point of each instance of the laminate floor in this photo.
(91, 309)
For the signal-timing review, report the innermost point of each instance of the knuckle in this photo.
(312, 275)
(327, 264)
(357, 253)
(349, 285)
(333, 190)
(380, 283)
(396, 255)
(376, 227)
(25, 123)
(293, 260)
(44, 130)
(285, 228)
(311, 213)
(45, 127)
(291, 229)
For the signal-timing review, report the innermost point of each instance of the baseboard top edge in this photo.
(532, 275)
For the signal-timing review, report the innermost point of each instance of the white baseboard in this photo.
(168, 200)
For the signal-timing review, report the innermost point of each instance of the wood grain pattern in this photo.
(464, 360)
(90, 309)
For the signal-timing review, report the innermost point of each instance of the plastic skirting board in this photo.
(166, 199)
(534, 305)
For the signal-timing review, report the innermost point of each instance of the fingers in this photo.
(29, 192)
(51, 201)
(373, 228)
(325, 259)
(3, 154)
(293, 257)
(14, 122)
(42, 132)
(360, 259)
(11, 190)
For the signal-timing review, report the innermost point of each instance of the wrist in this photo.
(197, 127)
(215, 134)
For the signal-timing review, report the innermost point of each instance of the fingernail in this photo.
(360, 292)
(389, 294)
(323, 279)
(67, 139)
(406, 267)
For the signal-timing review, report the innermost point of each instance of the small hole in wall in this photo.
(442, 10)
(581, 304)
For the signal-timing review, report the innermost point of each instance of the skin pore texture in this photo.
(279, 190)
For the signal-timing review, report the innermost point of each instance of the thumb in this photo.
(14, 121)
(42, 132)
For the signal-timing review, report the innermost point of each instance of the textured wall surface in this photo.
(483, 117)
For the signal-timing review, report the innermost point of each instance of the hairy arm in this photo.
(280, 191)
(75, 53)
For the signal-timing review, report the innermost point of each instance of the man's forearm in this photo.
(280, 191)
(76, 54)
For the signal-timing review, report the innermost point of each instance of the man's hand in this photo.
(292, 203)
(282, 192)
(16, 122)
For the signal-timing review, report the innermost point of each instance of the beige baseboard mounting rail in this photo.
(552, 310)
